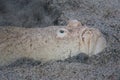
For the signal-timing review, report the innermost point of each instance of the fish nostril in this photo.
(70, 30)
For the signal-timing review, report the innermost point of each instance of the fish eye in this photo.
(61, 31)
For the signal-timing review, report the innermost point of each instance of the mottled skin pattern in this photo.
(49, 43)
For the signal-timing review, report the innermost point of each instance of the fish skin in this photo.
(49, 43)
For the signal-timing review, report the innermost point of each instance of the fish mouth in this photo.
(91, 41)
(88, 39)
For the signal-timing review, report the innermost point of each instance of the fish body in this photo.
(49, 43)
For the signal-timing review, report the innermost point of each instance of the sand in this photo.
(101, 14)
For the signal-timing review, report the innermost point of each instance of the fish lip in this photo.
(82, 40)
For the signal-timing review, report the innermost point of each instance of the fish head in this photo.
(81, 39)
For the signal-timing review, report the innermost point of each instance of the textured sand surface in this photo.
(102, 14)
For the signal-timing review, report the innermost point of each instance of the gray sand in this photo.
(102, 14)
